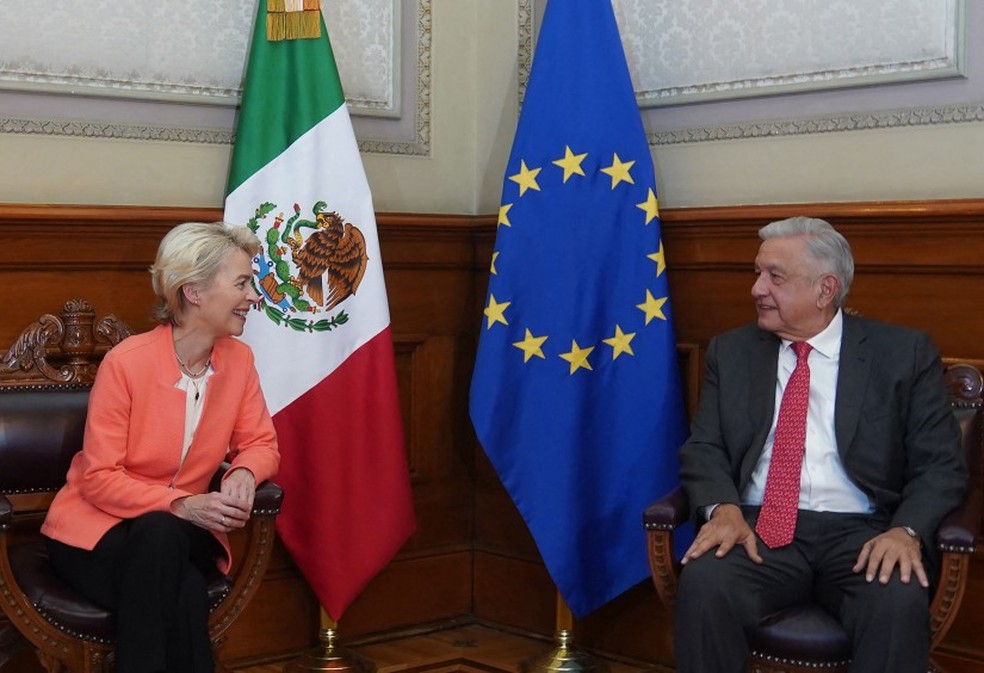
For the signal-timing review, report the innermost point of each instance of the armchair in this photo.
(804, 637)
(45, 379)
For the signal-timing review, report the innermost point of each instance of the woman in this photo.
(135, 528)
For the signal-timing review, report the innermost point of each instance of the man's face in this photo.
(793, 300)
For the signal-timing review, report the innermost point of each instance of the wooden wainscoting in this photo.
(918, 263)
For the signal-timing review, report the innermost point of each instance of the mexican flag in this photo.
(321, 334)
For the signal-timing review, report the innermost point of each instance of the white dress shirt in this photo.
(824, 484)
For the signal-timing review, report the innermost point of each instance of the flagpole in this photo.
(329, 656)
(564, 658)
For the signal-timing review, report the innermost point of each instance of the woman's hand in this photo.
(240, 484)
(221, 511)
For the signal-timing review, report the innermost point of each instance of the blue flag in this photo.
(576, 393)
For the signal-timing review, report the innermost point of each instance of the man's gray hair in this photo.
(824, 244)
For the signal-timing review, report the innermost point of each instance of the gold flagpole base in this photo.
(330, 657)
(564, 659)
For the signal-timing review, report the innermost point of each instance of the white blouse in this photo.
(194, 404)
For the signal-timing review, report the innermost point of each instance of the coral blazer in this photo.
(130, 462)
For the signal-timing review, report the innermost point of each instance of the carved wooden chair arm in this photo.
(254, 557)
(667, 513)
(957, 539)
(660, 519)
(958, 532)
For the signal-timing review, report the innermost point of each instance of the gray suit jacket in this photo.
(896, 434)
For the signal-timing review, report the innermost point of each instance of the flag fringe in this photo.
(281, 5)
(293, 25)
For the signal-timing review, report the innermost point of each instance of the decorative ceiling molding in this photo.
(525, 54)
(861, 121)
(88, 129)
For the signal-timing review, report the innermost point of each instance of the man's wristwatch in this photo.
(913, 534)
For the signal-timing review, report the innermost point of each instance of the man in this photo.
(845, 521)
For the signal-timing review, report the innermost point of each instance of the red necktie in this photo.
(777, 520)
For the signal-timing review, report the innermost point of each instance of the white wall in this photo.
(911, 163)
(473, 116)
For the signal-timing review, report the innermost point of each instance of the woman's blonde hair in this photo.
(193, 252)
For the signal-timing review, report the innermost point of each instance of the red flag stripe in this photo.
(347, 506)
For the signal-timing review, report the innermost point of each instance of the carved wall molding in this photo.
(525, 51)
(861, 121)
(89, 129)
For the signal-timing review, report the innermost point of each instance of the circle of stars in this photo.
(620, 342)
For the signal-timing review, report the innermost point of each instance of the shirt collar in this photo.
(827, 342)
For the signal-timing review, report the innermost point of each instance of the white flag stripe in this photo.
(331, 155)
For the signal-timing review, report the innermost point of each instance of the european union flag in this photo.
(576, 394)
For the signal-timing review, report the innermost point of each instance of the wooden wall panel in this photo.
(920, 264)
(55, 253)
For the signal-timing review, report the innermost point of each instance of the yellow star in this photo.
(650, 205)
(531, 346)
(619, 171)
(659, 259)
(620, 342)
(652, 307)
(578, 357)
(503, 217)
(526, 178)
(571, 163)
(496, 311)
(492, 268)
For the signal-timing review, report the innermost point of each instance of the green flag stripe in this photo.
(290, 86)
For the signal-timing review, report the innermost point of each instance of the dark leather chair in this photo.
(44, 388)
(804, 637)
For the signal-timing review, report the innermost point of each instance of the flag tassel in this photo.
(293, 21)
(293, 26)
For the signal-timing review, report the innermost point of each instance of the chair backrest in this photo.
(40, 431)
(45, 379)
(966, 384)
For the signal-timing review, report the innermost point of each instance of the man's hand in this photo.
(726, 528)
(882, 553)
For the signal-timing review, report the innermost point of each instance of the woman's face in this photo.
(225, 302)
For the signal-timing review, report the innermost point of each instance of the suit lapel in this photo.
(763, 363)
(852, 382)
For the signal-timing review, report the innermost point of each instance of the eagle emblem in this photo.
(307, 266)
